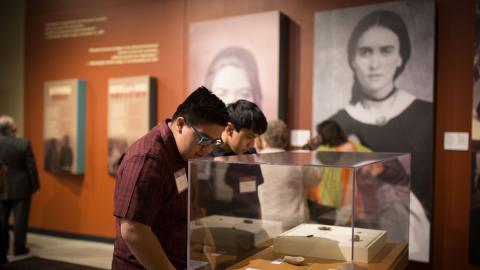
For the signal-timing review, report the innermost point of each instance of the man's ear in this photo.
(229, 129)
(180, 123)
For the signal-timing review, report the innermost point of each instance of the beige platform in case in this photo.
(330, 242)
(234, 232)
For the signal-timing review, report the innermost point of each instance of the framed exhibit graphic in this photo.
(131, 114)
(474, 253)
(241, 58)
(64, 126)
(374, 75)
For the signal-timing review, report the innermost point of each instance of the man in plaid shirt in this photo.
(151, 195)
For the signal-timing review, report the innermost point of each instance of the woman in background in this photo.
(334, 191)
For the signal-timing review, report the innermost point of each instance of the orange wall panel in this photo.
(84, 204)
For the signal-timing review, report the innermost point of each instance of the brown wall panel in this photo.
(454, 83)
(84, 204)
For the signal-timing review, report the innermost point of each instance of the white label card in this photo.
(247, 184)
(181, 180)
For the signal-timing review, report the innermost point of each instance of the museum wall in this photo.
(12, 21)
(83, 204)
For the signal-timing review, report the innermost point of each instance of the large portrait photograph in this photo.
(476, 83)
(239, 58)
(474, 253)
(374, 76)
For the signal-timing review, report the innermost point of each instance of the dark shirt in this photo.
(409, 132)
(22, 177)
(146, 192)
(219, 152)
(243, 204)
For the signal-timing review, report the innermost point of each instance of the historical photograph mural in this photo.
(240, 58)
(64, 126)
(475, 181)
(131, 114)
(374, 75)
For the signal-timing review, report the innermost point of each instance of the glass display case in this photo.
(314, 209)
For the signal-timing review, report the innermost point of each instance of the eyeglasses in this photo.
(204, 141)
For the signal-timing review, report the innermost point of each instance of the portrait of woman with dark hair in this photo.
(378, 50)
(383, 108)
(241, 57)
(233, 75)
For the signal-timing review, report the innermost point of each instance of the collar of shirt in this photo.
(219, 152)
(171, 145)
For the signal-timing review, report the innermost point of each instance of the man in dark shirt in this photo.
(21, 182)
(151, 195)
(247, 122)
(3, 252)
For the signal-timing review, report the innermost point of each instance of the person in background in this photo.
(282, 193)
(334, 190)
(151, 197)
(3, 252)
(380, 194)
(246, 123)
(21, 182)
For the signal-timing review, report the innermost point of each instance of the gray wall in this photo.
(12, 20)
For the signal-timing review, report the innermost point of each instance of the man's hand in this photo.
(144, 245)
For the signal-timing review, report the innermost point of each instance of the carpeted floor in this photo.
(44, 264)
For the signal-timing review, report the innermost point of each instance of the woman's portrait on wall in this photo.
(239, 58)
(373, 75)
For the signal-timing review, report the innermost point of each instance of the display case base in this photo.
(331, 242)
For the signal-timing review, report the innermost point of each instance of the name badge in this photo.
(181, 180)
(247, 184)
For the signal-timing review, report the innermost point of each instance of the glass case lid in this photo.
(307, 158)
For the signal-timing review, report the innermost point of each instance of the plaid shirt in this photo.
(146, 192)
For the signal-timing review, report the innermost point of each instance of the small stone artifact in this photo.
(294, 260)
(356, 238)
(248, 221)
(324, 228)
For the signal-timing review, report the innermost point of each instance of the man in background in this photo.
(3, 253)
(282, 193)
(21, 181)
(246, 123)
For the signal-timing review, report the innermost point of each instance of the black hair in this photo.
(331, 133)
(387, 19)
(247, 115)
(241, 58)
(202, 107)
